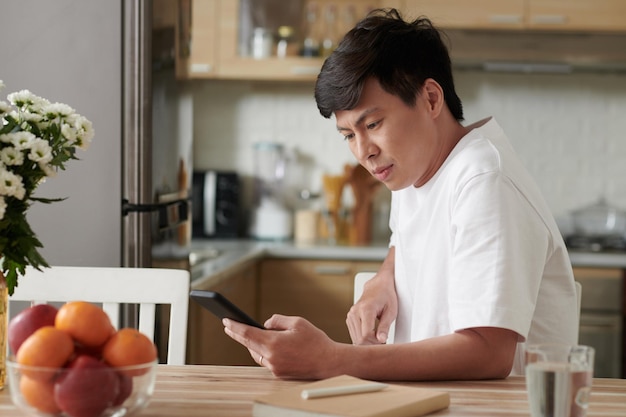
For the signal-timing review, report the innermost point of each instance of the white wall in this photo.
(570, 130)
(70, 51)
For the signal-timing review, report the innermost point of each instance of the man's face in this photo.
(397, 144)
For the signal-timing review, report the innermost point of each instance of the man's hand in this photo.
(289, 347)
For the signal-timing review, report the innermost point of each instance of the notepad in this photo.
(391, 401)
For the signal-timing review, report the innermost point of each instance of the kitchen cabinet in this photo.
(602, 318)
(212, 38)
(204, 40)
(206, 341)
(319, 290)
(561, 15)
(216, 48)
(171, 36)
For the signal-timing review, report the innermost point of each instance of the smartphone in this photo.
(219, 305)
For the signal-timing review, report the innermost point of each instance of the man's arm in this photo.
(369, 319)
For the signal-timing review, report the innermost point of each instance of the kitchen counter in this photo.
(213, 258)
(598, 259)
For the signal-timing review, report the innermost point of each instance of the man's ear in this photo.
(433, 93)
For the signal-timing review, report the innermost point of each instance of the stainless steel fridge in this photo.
(127, 196)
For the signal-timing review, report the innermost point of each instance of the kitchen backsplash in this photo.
(570, 130)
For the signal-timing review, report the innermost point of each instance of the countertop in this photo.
(212, 258)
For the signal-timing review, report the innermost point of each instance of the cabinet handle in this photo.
(331, 270)
(549, 19)
(201, 68)
(506, 19)
(300, 70)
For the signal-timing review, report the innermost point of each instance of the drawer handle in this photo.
(301, 70)
(201, 68)
(331, 270)
(549, 19)
(505, 19)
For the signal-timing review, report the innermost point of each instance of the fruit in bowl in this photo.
(79, 366)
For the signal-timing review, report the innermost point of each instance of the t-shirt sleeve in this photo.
(499, 251)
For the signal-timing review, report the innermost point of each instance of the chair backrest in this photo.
(579, 294)
(112, 287)
(359, 281)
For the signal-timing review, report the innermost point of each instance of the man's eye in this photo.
(373, 125)
(348, 136)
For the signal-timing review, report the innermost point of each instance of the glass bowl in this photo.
(86, 389)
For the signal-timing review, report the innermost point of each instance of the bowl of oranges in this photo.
(71, 362)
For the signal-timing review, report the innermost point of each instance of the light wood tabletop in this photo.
(228, 391)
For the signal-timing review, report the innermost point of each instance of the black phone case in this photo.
(219, 305)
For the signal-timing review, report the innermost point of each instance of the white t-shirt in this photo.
(477, 246)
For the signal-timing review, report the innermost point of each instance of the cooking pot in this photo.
(599, 220)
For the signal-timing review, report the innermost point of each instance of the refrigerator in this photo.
(127, 198)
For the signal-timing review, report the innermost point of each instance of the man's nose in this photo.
(365, 148)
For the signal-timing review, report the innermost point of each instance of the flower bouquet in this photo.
(37, 138)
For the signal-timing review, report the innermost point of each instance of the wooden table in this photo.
(228, 391)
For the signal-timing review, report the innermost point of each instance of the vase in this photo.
(4, 324)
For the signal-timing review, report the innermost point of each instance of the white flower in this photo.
(23, 98)
(21, 140)
(29, 117)
(11, 185)
(52, 111)
(1, 85)
(3, 204)
(40, 151)
(68, 132)
(5, 108)
(11, 156)
(48, 170)
(85, 132)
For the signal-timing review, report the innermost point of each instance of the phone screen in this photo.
(219, 305)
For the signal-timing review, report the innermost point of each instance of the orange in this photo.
(39, 394)
(47, 347)
(87, 323)
(129, 347)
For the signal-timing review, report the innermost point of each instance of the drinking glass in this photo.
(558, 379)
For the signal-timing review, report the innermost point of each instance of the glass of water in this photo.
(558, 379)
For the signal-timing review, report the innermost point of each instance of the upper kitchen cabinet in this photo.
(577, 15)
(562, 15)
(460, 14)
(171, 36)
(204, 38)
(267, 39)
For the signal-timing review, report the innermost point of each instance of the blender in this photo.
(271, 218)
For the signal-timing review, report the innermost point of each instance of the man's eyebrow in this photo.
(361, 118)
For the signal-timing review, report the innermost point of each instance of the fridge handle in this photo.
(171, 213)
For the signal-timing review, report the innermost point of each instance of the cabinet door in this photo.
(202, 62)
(320, 291)
(461, 14)
(234, 65)
(206, 341)
(585, 15)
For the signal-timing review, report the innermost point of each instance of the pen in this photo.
(342, 390)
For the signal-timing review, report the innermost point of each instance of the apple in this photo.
(27, 321)
(87, 387)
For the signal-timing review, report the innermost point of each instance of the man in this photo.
(476, 265)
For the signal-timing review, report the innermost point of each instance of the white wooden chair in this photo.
(359, 281)
(362, 277)
(111, 287)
